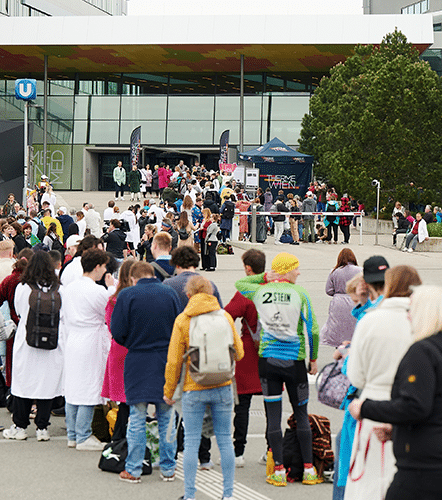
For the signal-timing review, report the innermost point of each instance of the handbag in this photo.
(332, 384)
(7, 328)
(113, 458)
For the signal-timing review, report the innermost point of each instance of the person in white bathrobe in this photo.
(87, 347)
(36, 373)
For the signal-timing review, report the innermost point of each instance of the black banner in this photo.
(135, 147)
(224, 146)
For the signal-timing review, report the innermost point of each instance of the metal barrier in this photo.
(253, 213)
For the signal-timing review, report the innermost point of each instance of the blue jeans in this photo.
(136, 439)
(220, 400)
(338, 491)
(79, 422)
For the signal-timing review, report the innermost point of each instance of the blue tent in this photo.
(281, 167)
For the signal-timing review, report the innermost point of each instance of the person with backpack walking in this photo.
(36, 373)
(227, 214)
(52, 241)
(331, 222)
(185, 230)
(200, 391)
(283, 309)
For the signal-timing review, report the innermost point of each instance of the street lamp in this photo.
(376, 183)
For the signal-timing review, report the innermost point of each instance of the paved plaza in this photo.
(49, 470)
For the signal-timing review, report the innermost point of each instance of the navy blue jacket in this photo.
(65, 221)
(142, 321)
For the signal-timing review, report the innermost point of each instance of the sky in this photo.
(239, 7)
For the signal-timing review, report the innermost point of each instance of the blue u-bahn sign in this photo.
(26, 89)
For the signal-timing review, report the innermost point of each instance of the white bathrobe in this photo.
(87, 343)
(36, 373)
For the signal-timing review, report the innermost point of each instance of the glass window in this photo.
(233, 126)
(143, 107)
(227, 108)
(60, 107)
(80, 130)
(288, 132)
(192, 83)
(145, 83)
(190, 108)
(104, 132)
(81, 107)
(189, 132)
(60, 131)
(417, 8)
(289, 107)
(252, 132)
(252, 107)
(152, 132)
(61, 87)
(105, 108)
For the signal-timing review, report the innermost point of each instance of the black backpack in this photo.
(41, 231)
(124, 225)
(183, 234)
(229, 210)
(57, 245)
(43, 318)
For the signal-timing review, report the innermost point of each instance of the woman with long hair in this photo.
(415, 406)
(113, 385)
(187, 206)
(205, 223)
(29, 237)
(340, 323)
(36, 373)
(18, 238)
(51, 236)
(219, 397)
(211, 242)
(155, 181)
(185, 230)
(144, 247)
(379, 343)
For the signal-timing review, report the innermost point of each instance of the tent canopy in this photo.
(274, 150)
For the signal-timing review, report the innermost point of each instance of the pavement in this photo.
(49, 470)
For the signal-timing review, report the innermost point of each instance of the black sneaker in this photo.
(59, 412)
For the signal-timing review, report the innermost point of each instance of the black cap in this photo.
(374, 269)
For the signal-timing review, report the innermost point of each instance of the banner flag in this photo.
(135, 147)
(224, 146)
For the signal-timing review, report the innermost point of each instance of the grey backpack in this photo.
(211, 351)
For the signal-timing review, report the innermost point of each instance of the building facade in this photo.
(178, 77)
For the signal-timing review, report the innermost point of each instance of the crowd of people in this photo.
(126, 305)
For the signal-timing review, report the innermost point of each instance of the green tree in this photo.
(378, 116)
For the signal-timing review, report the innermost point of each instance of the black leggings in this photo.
(332, 228)
(273, 373)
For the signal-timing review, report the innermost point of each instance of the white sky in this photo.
(238, 7)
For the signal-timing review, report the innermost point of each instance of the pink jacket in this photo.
(113, 384)
(162, 178)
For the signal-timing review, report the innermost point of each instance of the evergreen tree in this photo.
(378, 116)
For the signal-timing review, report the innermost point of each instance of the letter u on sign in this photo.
(26, 89)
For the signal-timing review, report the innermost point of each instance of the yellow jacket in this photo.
(179, 343)
(47, 220)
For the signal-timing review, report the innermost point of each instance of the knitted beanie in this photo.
(284, 262)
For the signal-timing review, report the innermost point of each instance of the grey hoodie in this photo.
(308, 205)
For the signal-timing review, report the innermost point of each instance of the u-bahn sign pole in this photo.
(26, 90)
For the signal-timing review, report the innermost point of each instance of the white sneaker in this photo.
(410, 250)
(206, 466)
(15, 432)
(91, 444)
(240, 461)
(263, 459)
(43, 435)
(278, 243)
(404, 249)
(72, 444)
(122, 199)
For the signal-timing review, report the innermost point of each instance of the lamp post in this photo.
(376, 183)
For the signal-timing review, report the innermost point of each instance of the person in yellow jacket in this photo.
(47, 219)
(196, 397)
